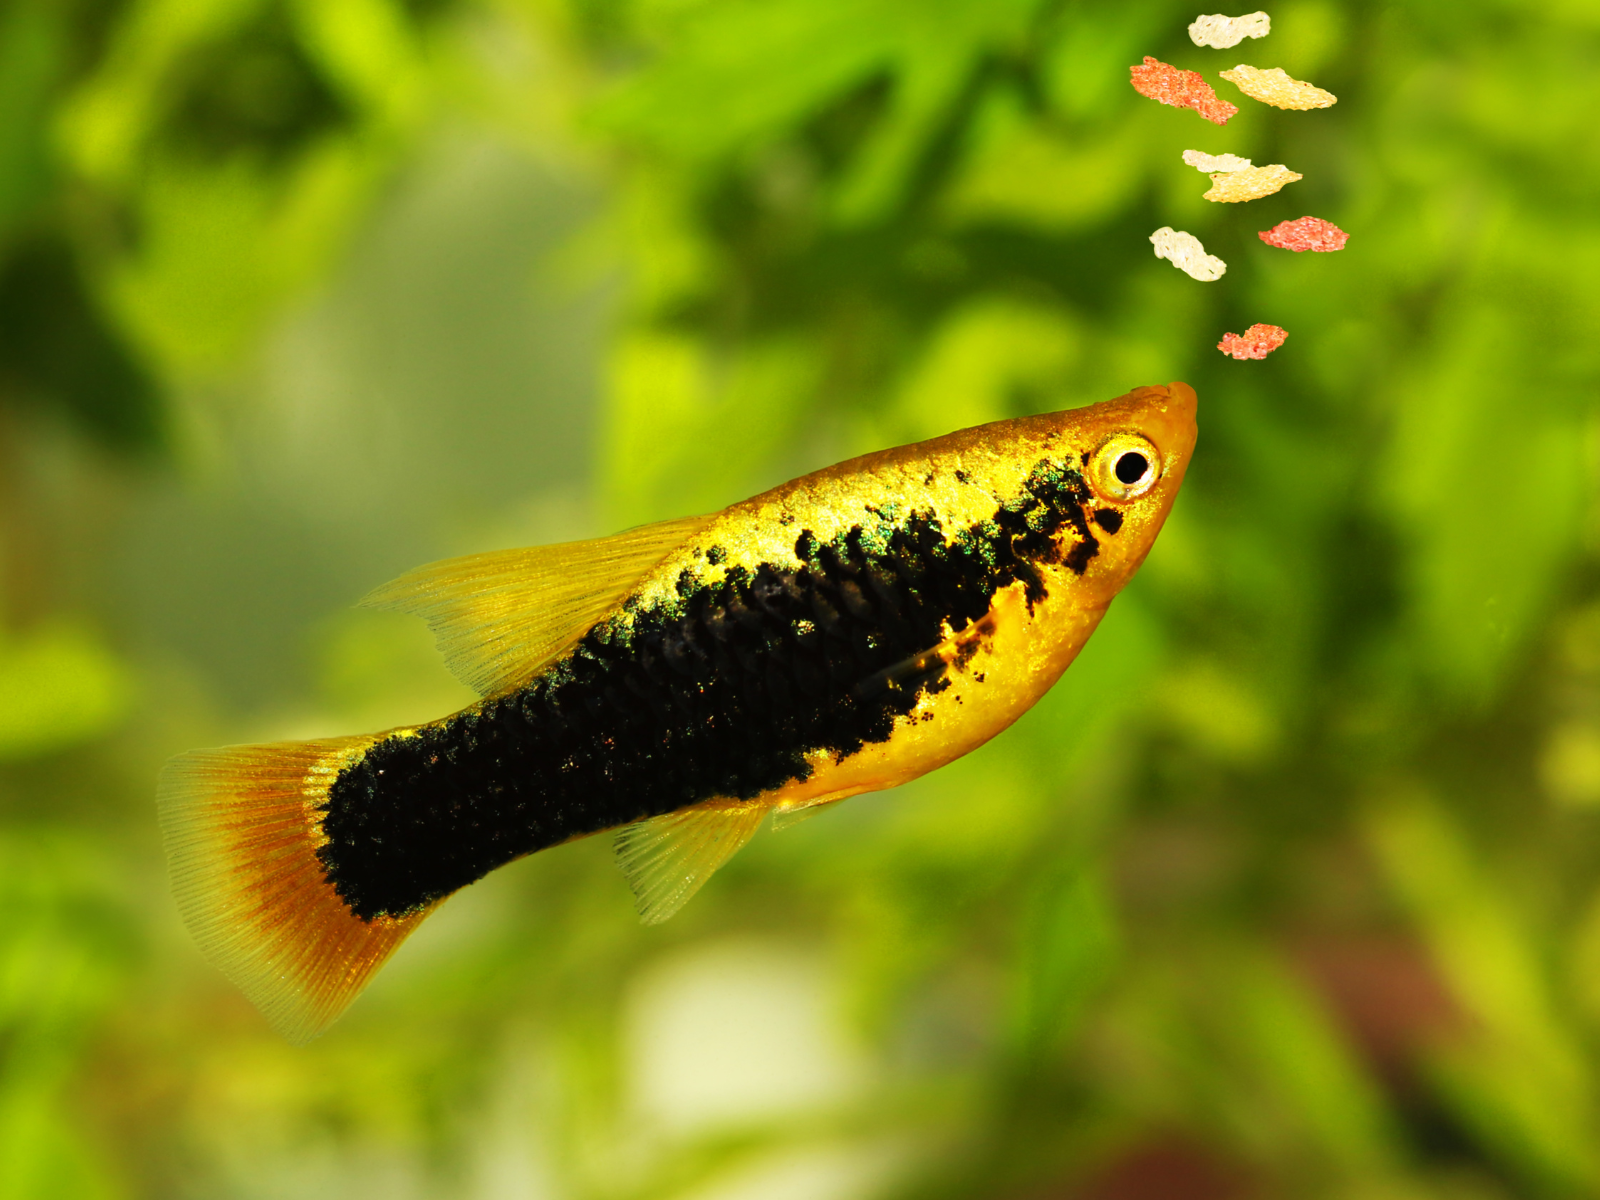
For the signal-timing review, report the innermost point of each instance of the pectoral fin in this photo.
(928, 666)
(499, 617)
(787, 818)
(668, 859)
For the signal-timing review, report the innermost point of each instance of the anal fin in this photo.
(668, 859)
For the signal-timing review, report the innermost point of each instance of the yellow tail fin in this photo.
(242, 829)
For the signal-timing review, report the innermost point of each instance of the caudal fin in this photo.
(242, 827)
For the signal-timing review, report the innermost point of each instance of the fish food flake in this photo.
(1184, 251)
(1235, 187)
(1257, 342)
(1279, 89)
(1223, 32)
(1181, 89)
(1307, 233)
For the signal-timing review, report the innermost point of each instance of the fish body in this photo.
(842, 633)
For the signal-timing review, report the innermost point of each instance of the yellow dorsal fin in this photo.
(668, 859)
(499, 617)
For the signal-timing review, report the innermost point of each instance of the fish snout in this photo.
(1166, 415)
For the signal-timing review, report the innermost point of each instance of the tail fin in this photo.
(242, 827)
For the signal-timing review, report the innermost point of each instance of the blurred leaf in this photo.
(783, 62)
(1084, 64)
(991, 359)
(1047, 181)
(30, 61)
(43, 1156)
(1079, 720)
(223, 247)
(1311, 1070)
(59, 352)
(687, 427)
(1474, 602)
(253, 92)
(59, 686)
(65, 950)
(367, 48)
(1219, 711)
(245, 137)
(1570, 767)
(1521, 1082)
(1069, 947)
(1306, 34)
(729, 51)
(379, 670)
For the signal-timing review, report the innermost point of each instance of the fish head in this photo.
(1131, 453)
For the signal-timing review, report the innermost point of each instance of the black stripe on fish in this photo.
(720, 693)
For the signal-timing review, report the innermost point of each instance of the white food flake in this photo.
(1221, 32)
(1186, 253)
(1208, 163)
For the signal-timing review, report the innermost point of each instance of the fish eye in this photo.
(1124, 468)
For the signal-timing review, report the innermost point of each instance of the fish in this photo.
(674, 684)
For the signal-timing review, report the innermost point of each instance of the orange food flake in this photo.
(1257, 342)
(1308, 233)
(1181, 89)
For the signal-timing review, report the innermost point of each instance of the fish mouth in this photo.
(1177, 419)
(1183, 398)
(1170, 424)
(1168, 416)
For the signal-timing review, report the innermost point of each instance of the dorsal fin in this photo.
(499, 617)
(668, 859)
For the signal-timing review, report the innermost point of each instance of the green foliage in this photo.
(1289, 888)
(63, 958)
(58, 687)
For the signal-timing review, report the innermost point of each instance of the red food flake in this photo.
(1258, 342)
(1181, 89)
(1308, 233)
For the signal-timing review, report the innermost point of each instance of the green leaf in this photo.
(1520, 1079)
(1488, 479)
(59, 686)
(745, 74)
(1069, 948)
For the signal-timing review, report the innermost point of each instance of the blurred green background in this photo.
(1290, 889)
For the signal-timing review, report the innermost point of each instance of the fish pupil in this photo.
(1131, 467)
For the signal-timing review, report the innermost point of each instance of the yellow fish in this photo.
(848, 631)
